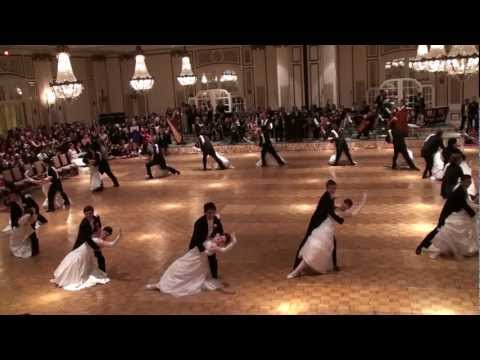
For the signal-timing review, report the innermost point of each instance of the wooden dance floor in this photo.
(269, 210)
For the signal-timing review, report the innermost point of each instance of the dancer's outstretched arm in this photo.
(32, 180)
(356, 210)
(228, 247)
(103, 243)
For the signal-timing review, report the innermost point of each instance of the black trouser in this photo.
(42, 219)
(343, 148)
(54, 188)
(215, 157)
(428, 165)
(106, 169)
(271, 150)
(468, 120)
(100, 260)
(428, 239)
(405, 155)
(35, 245)
(212, 262)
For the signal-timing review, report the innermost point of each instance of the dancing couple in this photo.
(197, 270)
(268, 152)
(208, 150)
(318, 250)
(455, 230)
(79, 270)
(157, 159)
(24, 214)
(98, 165)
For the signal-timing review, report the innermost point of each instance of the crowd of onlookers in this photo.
(125, 139)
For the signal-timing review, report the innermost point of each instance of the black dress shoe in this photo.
(336, 268)
(418, 250)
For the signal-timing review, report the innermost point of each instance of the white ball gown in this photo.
(79, 269)
(317, 250)
(223, 159)
(438, 168)
(20, 244)
(190, 274)
(75, 158)
(95, 178)
(458, 237)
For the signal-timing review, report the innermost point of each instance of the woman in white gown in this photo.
(96, 183)
(20, 244)
(190, 274)
(457, 237)
(316, 254)
(79, 269)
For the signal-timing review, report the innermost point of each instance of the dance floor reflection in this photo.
(269, 210)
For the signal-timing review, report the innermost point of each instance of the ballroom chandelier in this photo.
(186, 77)
(141, 80)
(462, 60)
(418, 64)
(228, 75)
(204, 79)
(436, 58)
(66, 86)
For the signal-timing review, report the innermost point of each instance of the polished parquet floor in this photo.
(269, 209)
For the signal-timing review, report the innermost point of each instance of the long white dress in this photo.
(79, 269)
(95, 178)
(223, 159)
(270, 160)
(457, 237)
(438, 168)
(20, 244)
(190, 274)
(75, 158)
(317, 250)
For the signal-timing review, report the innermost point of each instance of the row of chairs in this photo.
(16, 175)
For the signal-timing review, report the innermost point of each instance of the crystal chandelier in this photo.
(186, 77)
(436, 58)
(462, 60)
(141, 80)
(228, 75)
(66, 86)
(418, 64)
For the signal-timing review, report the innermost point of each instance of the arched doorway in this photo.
(400, 89)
